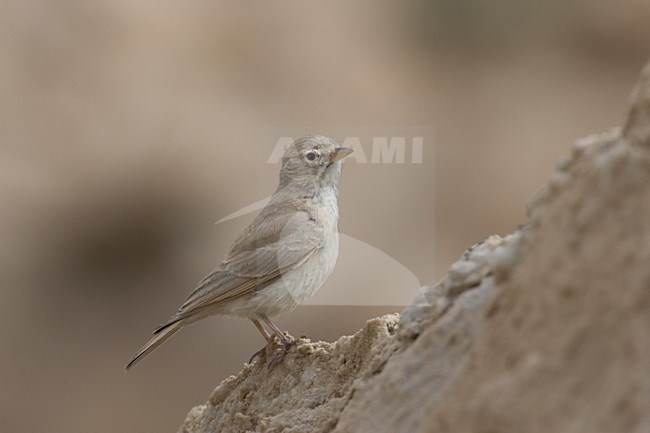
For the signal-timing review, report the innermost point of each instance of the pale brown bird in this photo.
(282, 257)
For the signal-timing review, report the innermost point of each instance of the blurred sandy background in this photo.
(129, 127)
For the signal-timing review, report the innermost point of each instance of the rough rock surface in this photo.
(544, 330)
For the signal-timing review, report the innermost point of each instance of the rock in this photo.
(306, 392)
(545, 330)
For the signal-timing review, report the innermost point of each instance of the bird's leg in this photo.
(266, 336)
(283, 338)
(260, 328)
(286, 342)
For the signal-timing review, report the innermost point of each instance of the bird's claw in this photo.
(256, 354)
(286, 344)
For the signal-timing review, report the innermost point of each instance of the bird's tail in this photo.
(161, 336)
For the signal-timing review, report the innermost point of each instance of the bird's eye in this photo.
(311, 156)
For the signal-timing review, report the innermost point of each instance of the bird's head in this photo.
(312, 161)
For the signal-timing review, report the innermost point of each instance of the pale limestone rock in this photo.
(306, 392)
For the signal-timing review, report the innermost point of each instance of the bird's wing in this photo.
(275, 241)
(262, 252)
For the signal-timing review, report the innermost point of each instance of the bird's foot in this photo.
(256, 354)
(270, 341)
(286, 344)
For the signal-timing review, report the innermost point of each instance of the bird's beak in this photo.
(339, 154)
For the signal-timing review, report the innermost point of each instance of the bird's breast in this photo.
(325, 208)
(305, 280)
